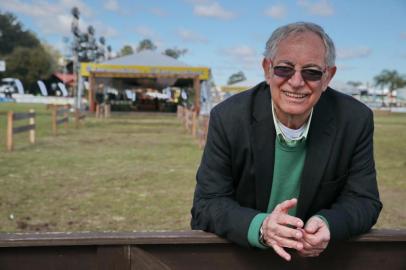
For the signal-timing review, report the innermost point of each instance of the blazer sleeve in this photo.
(358, 206)
(215, 208)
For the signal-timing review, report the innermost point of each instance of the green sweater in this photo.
(289, 162)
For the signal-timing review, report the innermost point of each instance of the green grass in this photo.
(136, 171)
(390, 158)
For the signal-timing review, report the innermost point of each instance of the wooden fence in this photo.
(12, 117)
(379, 249)
(196, 125)
(58, 112)
(79, 118)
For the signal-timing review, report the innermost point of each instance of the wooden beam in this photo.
(196, 88)
(91, 99)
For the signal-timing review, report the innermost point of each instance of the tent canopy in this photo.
(145, 64)
(146, 68)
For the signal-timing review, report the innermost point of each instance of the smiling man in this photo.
(289, 163)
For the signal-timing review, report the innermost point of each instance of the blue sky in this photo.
(229, 36)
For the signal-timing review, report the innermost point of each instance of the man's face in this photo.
(295, 96)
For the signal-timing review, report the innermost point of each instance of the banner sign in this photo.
(202, 72)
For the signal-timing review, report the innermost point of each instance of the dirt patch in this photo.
(25, 225)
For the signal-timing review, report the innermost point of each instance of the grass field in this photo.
(136, 171)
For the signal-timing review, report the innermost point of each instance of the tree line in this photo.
(26, 57)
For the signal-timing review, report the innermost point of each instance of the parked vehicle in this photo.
(9, 86)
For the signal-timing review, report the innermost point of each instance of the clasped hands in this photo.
(280, 230)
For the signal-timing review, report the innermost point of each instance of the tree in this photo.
(12, 35)
(25, 56)
(126, 50)
(236, 77)
(175, 52)
(390, 78)
(55, 55)
(354, 84)
(146, 44)
(29, 64)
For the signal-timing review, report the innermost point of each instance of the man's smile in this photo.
(295, 95)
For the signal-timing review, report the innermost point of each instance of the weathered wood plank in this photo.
(23, 128)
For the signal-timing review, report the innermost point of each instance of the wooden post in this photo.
(196, 88)
(54, 116)
(92, 85)
(77, 114)
(194, 113)
(32, 131)
(66, 115)
(10, 131)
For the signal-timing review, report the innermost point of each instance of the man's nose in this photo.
(296, 80)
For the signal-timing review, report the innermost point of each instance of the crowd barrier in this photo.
(379, 249)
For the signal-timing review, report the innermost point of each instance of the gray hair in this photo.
(300, 27)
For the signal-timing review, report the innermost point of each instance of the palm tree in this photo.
(390, 78)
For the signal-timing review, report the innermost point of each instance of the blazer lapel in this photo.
(319, 142)
(263, 146)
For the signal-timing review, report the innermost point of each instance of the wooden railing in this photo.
(12, 129)
(58, 112)
(379, 249)
(79, 118)
(196, 125)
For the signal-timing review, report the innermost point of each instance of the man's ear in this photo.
(330, 74)
(266, 66)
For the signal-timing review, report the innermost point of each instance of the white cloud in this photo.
(198, 1)
(111, 5)
(190, 36)
(214, 10)
(61, 19)
(351, 53)
(320, 8)
(145, 31)
(276, 11)
(158, 12)
(243, 55)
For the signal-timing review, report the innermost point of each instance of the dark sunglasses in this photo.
(308, 74)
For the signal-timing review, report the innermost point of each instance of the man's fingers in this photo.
(286, 205)
(281, 252)
(313, 225)
(291, 221)
(289, 243)
(283, 231)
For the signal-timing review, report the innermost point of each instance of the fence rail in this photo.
(379, 249)
(195, 124)
(79, 118)
(12, 117)
(57, 112)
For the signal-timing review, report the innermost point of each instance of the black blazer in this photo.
(338, 181)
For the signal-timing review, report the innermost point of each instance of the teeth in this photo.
(294, 95)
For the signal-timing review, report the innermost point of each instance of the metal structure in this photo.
(85, 48)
